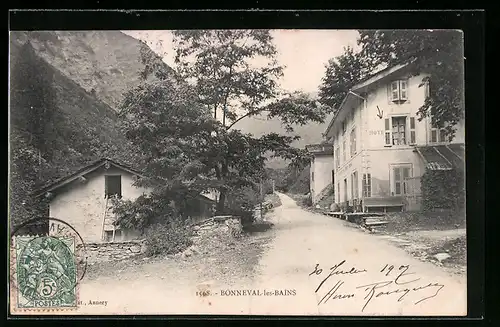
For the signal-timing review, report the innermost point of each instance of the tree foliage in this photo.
(184, 125)
(438, 53)
(342, 73)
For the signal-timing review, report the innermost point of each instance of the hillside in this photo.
(56, 125)
(309, 134)
(104, 63)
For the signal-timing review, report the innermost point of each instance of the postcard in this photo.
(242, 172)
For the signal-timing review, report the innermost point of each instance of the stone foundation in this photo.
(219, 224)
(113, 251)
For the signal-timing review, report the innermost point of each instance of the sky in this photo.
(304, 53)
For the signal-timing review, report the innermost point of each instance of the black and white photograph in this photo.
(237, 171)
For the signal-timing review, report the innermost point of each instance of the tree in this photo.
(342, 73)
(436, 52)
(183, 122)
(32, 129)
(235, 73)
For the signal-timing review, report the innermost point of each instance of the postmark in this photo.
(45, 269)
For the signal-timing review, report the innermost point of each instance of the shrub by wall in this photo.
(168, 238)
(443, 189)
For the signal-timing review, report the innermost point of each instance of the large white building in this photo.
(381, 148)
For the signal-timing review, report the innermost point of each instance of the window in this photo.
(338, 192)
(398, 90)
(312, 176)
(113, 185)
(353, 142)
(344, 127)
(399, 174)
(343, 152)
(427, 89)
(337, 157)
(354, 185)
(367, 185)
(398, 130)
(109, 235)
(438, 135)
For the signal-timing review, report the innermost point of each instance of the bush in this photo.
(307, 201)
(443, 189)
(168, 238)
(242, 202)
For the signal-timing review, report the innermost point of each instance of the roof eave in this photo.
(90, 168)
(337, 114)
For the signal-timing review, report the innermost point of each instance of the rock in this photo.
(441, 256)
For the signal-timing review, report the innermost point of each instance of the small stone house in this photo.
(82, 199)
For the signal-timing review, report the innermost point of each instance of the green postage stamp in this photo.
(45, 272)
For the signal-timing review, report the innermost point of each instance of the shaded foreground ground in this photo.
(284, 271)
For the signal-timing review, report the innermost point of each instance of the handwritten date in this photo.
(400, 281)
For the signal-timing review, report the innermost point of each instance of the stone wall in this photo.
(113, 251)
(229, 225)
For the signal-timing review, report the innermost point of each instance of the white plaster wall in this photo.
(322, 167)
(372, 155)
(379, 162)
(344, 172)
(82, 204)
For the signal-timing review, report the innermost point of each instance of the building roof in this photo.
(83, 171)
(321, 148)
(363, 86)
(92, 167)
(443, 156)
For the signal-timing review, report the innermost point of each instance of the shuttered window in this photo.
(400, 174)
(398, 90)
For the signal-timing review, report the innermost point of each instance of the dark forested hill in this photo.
(56, 124)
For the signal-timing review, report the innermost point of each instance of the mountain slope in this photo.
(104, 63)
(56, 126)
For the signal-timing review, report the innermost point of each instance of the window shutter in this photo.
(433, 136)
(395, 91)
(369, 185)
(353, 142)
(442, 135)
(397, 181)
(406, 174)
(413, 138)
(387, 132)
(403, 90)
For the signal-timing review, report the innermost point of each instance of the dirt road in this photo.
(314, 265)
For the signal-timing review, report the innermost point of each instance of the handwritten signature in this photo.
(399, 282)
